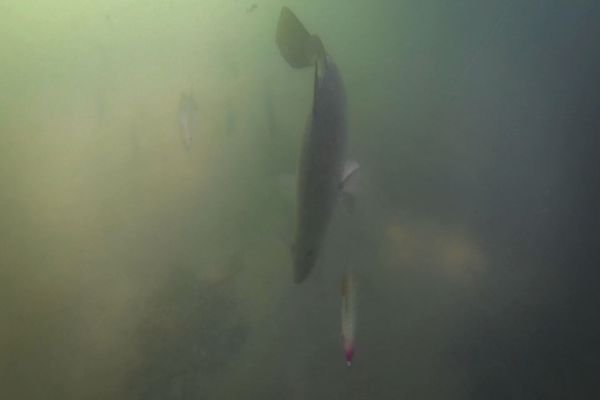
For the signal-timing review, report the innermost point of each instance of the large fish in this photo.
(322, 171)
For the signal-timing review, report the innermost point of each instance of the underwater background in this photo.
(141, 262)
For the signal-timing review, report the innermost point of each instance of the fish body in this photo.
(323, 154)
(348, 316)
(188, 119)
(321, 168)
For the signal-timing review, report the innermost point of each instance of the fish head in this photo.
(305, 258)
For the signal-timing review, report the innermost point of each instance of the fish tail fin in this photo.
(297, 46)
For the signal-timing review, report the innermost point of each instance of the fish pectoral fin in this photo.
(349, 172)
(348, 186)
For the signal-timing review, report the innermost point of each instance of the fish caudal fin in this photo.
(297, 46)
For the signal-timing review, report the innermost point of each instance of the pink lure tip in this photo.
(349, 354)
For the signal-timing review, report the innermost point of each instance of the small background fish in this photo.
(188, 118)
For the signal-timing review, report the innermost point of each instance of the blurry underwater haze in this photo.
(136, 266)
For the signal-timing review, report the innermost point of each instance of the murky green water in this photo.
(134, 267)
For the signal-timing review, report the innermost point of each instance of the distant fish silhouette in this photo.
(188, 119)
